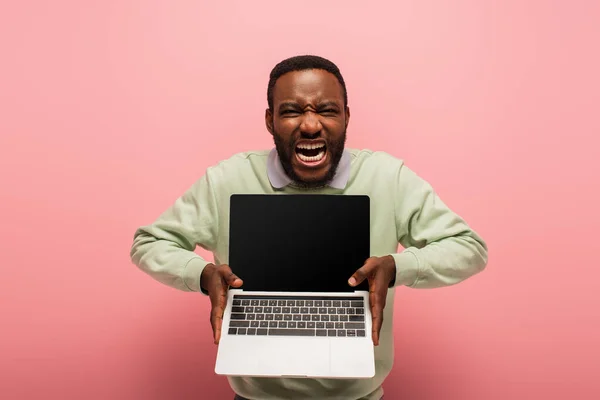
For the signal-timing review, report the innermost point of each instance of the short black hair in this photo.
(301, 63)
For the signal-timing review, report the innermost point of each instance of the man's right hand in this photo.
(216, 281)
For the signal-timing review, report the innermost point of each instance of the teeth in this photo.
(308, 146)
(318, 157)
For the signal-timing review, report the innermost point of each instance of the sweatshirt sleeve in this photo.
(439, 247)
(165, 248)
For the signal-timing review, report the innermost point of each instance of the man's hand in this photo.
(216, 281)
(379, 271)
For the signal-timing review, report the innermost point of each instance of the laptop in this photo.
(296, 315)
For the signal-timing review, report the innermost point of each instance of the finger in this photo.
(218, 299)
(362, 273)
(230, 278)
(377, 298)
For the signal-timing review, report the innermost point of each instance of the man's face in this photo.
(308, 123)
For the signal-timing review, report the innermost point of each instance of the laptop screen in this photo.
(298, 243)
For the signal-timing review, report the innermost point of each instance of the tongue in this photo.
(309, 153)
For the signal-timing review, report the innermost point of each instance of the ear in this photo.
(269, 121)
(347, 112)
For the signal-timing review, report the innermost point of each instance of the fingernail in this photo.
(352, 281)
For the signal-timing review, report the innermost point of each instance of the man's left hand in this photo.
(379, 271)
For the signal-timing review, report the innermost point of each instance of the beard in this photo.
(287, 150)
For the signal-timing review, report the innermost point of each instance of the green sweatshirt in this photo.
(438, 248)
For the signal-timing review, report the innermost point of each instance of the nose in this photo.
(310, 125)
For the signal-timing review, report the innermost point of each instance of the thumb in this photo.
(230, 278)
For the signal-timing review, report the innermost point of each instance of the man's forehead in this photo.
(307, 83)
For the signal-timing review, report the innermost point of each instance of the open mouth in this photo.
(311, 153)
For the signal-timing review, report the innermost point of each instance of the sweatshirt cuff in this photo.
(407, 268)
(192, 272)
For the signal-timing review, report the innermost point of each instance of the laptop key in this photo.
(254, 302)
(314, 318)
(286, 310)
(238, 316)
(353, 325)
(254, 324)
(239, 324)
(304, 310)
(322, 310)
(295, 310)
(245, 302)
(273, 324)
(345, 303)
(320, 325)
(287, 317)
(350, 311)
(235, 309)
(329, 325)
(264, 302)
(283, 324)
(272, 303)
(314, 310)
(291, 303)
(318, 303)
(237, 302)
(241, 331)
(308, 303)
(276, 310)
(258, 310)
(324, 317)
(260, 317)
(250, 317)
(261, 331)
(306, 317)
(232, 331)
(249, 309)
(356, 318)
(300, 303)
(331, 332)
(297, 317)
(340, 325)
(334, 318)
(281, 303)
(337, 303)
(321, 332)
(264, 324)
(292, 324)
(360, 311)
(251, 331)
(343, 318)
(331, 310)
(291, 332)
(269, 317)
(268, 310)
(341, 311)
(360, 333)
(302, 324)
(310, 325)
(278, 317)
(341, 333)
(357, 304)
(351, 333)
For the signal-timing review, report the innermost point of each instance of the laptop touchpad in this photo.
(297, 357)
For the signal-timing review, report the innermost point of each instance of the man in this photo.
(307, 116)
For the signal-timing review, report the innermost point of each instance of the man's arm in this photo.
(440, 248)
(165, 249)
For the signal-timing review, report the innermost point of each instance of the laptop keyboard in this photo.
(297, 316)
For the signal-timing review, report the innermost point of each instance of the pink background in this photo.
(111, 109)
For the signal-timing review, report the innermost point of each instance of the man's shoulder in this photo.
(375, 158)
(241, 160)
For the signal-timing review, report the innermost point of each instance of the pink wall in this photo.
(110, 109)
